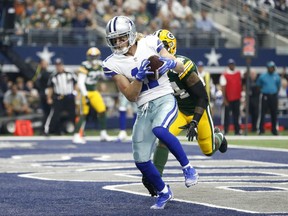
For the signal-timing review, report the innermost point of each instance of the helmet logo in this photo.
(170, 36)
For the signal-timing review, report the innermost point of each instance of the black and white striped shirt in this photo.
(62, 83)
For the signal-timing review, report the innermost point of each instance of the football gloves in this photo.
(191, 130)
(143, 70)
(168, 64)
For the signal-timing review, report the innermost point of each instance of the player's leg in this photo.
(273, 106)
(226, 118)
(210, 139)
(123, 103)
(97, 103)
(161, 153)
(164, 116)
(263, 110)
(235, 107)
(80, 125)
(143, 144)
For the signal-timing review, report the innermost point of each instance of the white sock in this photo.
(165, 189)
(188, 165)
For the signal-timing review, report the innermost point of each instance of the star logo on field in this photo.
(213, 57)
(45, 54)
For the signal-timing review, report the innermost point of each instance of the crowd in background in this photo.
(148, 15)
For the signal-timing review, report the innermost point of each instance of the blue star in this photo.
(213, 57)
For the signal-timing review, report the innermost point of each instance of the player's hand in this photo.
(168, 64)
(191, 130)
(87, 100)
(143, 70)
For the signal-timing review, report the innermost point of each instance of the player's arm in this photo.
(82, 74)
(49, 95)
(130, 90)
(195, 87)
(179, 68)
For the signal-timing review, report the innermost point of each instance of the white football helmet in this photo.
(120, 26)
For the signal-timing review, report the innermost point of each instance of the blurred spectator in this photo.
(205, 29)
(32, 95)
(80, 23)
(281, 5)
(117, 6)
(204, 24)
(142, 18)
(41, 78)
(123, 107)
(3, 88)
(152, 7)
(283, 97)
(188, 19)
(101, 7)
(15, 102)
(254, 94)
(284, 73)
(269, 84)
(246, 20)
(171, 12)
(205, 75)
(61, 96)
(133, 5)
(231, 83)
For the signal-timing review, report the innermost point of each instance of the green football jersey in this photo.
(94, 74)
(186, 103)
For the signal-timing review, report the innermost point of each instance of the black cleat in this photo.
(224, 144)
(149, 186)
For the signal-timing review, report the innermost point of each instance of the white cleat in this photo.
(105, 137)
(78, 139)
(122, 136)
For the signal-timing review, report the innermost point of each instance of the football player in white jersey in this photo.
(157, 108)
(123, 105)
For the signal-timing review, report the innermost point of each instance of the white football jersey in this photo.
(128, 66)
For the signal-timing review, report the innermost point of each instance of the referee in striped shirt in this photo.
(61, 97)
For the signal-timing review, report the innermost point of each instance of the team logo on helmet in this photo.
(168, 40)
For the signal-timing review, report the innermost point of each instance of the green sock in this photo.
(160, 158)
(102, 121)
(80, 123)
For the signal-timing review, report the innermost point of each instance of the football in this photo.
(155, 63)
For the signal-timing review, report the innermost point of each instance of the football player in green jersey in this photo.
(194, 112)
(89, 73)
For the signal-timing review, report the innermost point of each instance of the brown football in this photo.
(155, 63)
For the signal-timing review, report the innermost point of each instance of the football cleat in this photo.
(191, 176)
(78, 139)
(224, 144)
(162, 199)
(105, 137)
(152, 190)
(122, 135)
